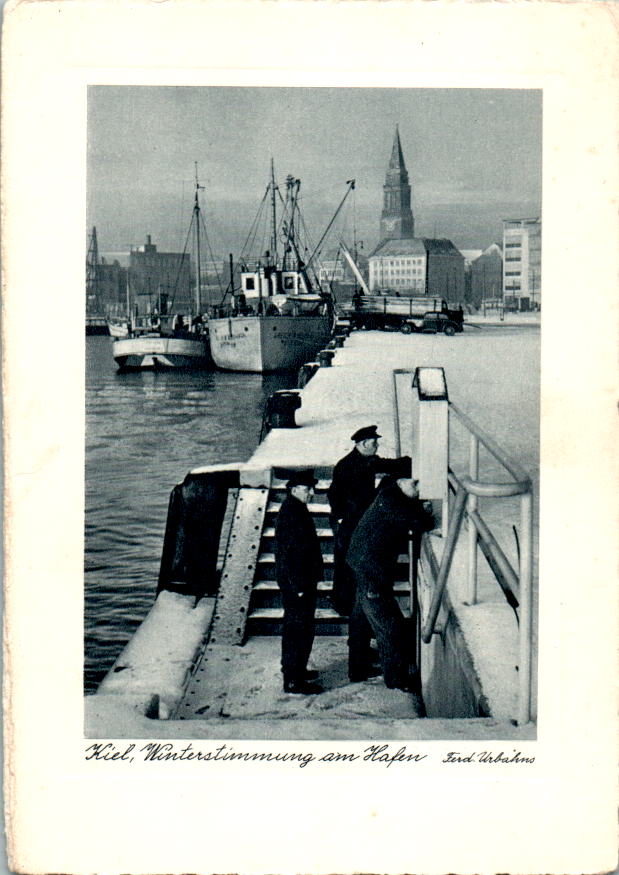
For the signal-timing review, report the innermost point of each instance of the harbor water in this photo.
(144, 432)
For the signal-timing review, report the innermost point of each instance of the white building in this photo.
(522, 263)
(399, 266)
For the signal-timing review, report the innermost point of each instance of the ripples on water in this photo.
(144, 432)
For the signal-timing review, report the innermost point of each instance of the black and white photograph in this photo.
(309, 361)
(312, 412)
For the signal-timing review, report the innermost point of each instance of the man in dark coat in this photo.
(351, 492)
(380, 536)
(298, 565)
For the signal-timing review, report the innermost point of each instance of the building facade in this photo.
(399, 266)
(522, 263)
(487, 276)
(160, 280)
(113, 287)
(445, 270)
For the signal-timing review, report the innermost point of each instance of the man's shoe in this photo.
(302, 688)
(419, 705)
(357, 677)
(310, 674)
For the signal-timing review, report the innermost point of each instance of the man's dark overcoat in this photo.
(351, 492)
(380, 536)
(299, 567)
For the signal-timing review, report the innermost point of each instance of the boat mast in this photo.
(196, 216)
(292, 190)
(128, 299)
(273, 213)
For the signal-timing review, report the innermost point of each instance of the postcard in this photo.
(309, 375)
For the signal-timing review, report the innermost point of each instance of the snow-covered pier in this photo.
(220, 677)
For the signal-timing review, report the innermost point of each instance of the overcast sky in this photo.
(473, 158)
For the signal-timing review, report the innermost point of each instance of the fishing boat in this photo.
(162, 345)
(161, 339)
(279, 317)
(118, 327)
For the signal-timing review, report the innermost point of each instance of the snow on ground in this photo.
(493, 375)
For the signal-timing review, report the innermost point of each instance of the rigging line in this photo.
(335, 263)
(210, 251)
(265, 235)
(257, 241)
(351, 185)
(181, 261)
(255, 222)
(181, 212)
(310, 244)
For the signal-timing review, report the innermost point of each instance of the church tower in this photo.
(396, 221)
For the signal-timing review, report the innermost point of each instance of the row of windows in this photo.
(396, 262)
(403, 271)
(512, 273)
(515, 245)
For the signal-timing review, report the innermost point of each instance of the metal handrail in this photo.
(516, 586)
(517, 472)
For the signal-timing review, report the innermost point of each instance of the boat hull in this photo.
(154, 352)
(118, 328)
(263, 344)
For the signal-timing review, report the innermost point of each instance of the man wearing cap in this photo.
(380, 536)
(298, 567)
(351, 492)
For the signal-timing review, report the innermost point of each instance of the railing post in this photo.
(445, 566)
(471, 595)
(526, 614)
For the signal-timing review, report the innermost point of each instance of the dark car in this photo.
(439, 323)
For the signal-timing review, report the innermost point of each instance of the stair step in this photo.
(277, 614)
(327, 558)
(269, 532)
(321, 486)
(269, 558)
(314, 507)
(400, 586)
(271, 586)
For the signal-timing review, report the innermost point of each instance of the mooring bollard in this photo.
(339, 340)
(280, 409)
(306, 372)
(325, 357)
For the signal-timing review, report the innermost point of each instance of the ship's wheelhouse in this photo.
(268, 282)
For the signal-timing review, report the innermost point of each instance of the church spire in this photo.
(396, 220)
(397, 158)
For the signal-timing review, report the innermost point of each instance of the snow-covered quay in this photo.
(492, 373)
